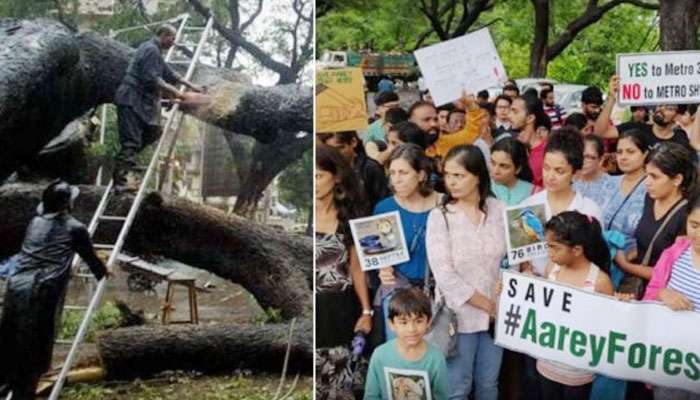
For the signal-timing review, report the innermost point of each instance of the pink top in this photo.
(465, 258)
(663, 267)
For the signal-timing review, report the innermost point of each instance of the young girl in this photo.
(676, 281)
(414, 197)
(579, 257)
(465, 246)
(511, 177)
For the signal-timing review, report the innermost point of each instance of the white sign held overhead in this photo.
(670, 77)
(467, 63)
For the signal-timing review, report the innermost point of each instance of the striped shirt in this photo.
(685, 279)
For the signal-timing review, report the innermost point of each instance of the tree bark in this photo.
(538, 53)
(130, 353)
(275, 267)
(678, 24)
(50, 76)
(268, 160)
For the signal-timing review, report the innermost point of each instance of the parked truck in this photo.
(374, 66)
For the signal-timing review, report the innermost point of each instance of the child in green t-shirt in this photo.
(408, 366)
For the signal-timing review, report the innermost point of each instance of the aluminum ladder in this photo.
(99, 215)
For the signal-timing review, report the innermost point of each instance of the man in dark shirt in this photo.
(138, 99)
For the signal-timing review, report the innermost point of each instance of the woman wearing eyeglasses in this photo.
(592, 177)
(414, 197)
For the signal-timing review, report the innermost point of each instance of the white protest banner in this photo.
(467, 63)
(671, 77)
(524, 230)
(637, 341)
(379, 240)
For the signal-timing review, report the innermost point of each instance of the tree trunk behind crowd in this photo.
(678, 23)
(538, 53)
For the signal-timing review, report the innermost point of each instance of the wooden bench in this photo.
(135, 265)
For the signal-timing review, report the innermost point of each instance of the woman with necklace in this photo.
(465, 246)
(342, 298)
(414, 197)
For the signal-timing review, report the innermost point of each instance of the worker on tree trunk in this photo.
(35, 291)
(138, 101)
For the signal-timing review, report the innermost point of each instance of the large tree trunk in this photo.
(268, 160)
(50, 76)
(678, 23)
(130, 353)
(275, 267)
(538, 52)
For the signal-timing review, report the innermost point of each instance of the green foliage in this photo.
(192, 386)
(271, 315)
(589, 59)
(106, 317)
(296, 184)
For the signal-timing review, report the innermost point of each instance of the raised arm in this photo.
(603, 127)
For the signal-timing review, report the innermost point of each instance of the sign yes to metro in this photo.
(671, 77)
(638, 341)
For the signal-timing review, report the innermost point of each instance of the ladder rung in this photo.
(194, 28)
(83, 275)
(112, 218)
(103, 246)
(75, 307)
(63, 341)
(183, 62)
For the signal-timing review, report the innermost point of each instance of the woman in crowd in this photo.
(562, 159)
(465, 246)
(592, 177)
(378, 149)
(675, 281)
(623, 195)
(671, 176)
(342, 298)
(579, 257)
(414, 197)
(511, 177)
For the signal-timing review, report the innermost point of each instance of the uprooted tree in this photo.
(50, 75)
(276, 268)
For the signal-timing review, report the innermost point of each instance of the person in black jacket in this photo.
(35, 291)
(370, 171)
(138, 100)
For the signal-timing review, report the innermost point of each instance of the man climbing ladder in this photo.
(138, 102)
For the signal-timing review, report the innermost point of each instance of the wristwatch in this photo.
(368, 312)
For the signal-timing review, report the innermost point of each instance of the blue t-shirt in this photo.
(593, 189)
(620, 217)
(407, 377)
(414, 225)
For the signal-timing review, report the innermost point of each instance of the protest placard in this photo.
(379, 240)
(585, 330)
(467, 63)
(340, 100)
(404, 384)
(524, 231)
(670, 77)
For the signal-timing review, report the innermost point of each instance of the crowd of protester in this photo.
(623, 219)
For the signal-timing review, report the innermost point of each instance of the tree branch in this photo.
(253, 16)
(468, 18)
(643, 4)
(237, 39)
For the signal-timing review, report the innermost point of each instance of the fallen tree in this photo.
(275, 267)
(129, 353)
(49, 76)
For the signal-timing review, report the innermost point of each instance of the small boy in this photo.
(408, 366)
